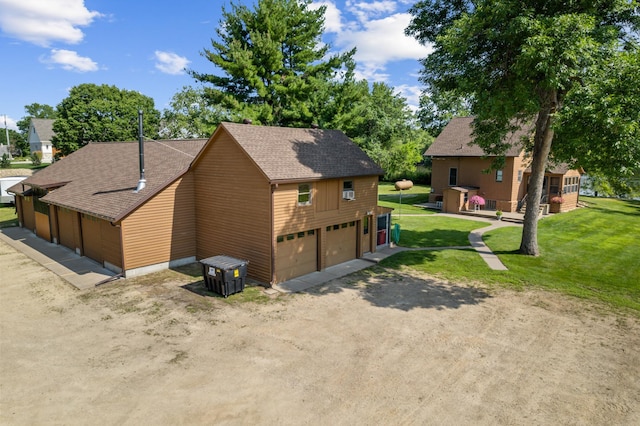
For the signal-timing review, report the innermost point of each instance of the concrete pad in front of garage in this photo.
(81, 272)
(337, 271)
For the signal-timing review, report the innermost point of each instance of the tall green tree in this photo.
(104, 113)
(272, 59)
(190, 115)
(35, 110)
(519, 62)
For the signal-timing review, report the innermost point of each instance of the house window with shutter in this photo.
(453, 176)
(304, 194)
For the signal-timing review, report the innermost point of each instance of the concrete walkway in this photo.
(79, 271)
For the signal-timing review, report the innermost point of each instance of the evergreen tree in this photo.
(273, 60)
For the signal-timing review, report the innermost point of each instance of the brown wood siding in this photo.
(161, 230)
(233, 207)
(66, 227)
(471, 173)
(327, 195)
(111, 249)
(43, 230)
(289, 217)
(28, 214)
(53, 223)
(91, 237)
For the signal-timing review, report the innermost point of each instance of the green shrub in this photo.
(36, 158)
(5, 162)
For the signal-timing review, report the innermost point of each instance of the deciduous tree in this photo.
(104, 113)
(520, 62)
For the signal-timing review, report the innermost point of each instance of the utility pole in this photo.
(6, 129)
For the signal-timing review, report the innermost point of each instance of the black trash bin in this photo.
(224, 275)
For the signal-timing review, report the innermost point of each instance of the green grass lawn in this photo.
(8, 216)
(389, 197)
(592, 253)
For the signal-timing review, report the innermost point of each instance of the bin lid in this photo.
(223, 262)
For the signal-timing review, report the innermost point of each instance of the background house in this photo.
(39, 138)
(290, 201)
(459, 171)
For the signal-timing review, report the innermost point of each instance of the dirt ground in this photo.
(376, 347)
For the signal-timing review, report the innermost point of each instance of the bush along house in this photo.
(289, 201)
(459, 173)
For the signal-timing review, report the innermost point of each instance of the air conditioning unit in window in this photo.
(349, 195)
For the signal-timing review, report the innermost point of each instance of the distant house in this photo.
(459, 172)
(290, 201)
(39, 137)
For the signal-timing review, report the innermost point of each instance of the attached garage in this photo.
(66, 227)
(91, 237)
(296, 255)
(341, 243)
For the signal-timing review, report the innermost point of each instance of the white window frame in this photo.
(302, 192)
(499, 175)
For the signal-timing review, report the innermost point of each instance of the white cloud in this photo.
(10, 123)
(70, 61)
(365, 11)
(332, 16)
(44, 21)
(411, 94)
(170, 63)
(383, 40)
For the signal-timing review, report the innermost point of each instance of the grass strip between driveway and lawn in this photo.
(592, 252)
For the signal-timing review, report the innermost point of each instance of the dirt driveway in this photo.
(372, 348)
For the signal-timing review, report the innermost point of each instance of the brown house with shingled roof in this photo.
(459, 172)
(290, 201)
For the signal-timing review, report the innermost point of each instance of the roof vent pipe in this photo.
(142, 182)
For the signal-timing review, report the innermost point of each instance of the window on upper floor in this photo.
(453, 176)
(304, 194)
(348, 192)
(519, 175)
(498, 175)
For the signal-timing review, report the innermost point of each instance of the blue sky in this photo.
(49, 46)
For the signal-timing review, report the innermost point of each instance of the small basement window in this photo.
(304, 194)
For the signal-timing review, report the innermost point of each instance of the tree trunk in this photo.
(541, 148)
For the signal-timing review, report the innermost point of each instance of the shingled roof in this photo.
(455, 141)
(43, 127)
(290, 154)
(100, 178)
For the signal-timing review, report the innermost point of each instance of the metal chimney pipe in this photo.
(142, 182)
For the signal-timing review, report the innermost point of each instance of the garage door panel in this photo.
(296, 257)
(91, 238)
(341, 245)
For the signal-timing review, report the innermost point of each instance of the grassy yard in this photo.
(389, 197)
(8, 216)
(592, 252)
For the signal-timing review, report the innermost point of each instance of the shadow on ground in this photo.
(386, 288)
